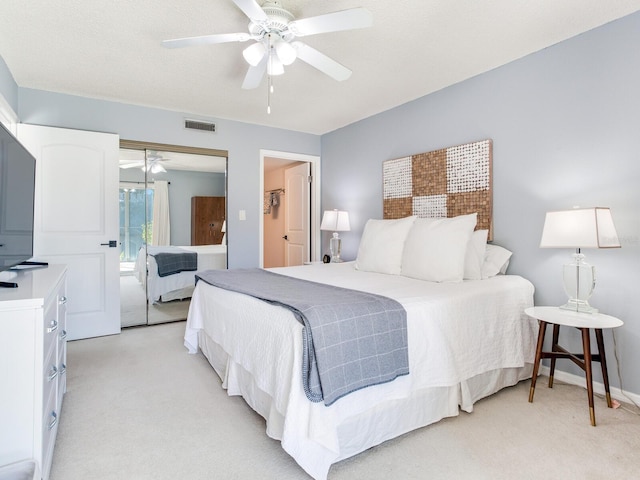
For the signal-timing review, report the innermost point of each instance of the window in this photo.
(134, 230)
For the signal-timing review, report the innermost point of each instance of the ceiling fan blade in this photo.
(206, 40)
(254, 75)
(332, 22)
(252, 10)
(132, 165)
(320, 61)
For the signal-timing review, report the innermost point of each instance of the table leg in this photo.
(536, 363)
(586, 346)
(554, 343)
(603, 364)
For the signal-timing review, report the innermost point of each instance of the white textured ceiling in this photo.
(110, 49)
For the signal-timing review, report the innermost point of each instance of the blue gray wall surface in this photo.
(565, 124)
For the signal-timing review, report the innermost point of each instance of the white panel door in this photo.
(296, 220)
(76, 218)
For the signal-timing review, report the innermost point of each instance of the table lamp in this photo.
(579, 228)
(335, 221)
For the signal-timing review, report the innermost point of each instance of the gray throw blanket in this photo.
(351, 339)
(172, 260)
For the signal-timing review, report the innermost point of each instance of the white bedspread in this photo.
(210, 257)
(456, 332)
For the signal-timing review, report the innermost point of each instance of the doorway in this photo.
(280, 243)
(160, 185)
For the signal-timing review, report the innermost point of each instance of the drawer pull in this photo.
(63, 334)
(53, 327)
(53, 373)
(63, 300)
(63, 369)
(54, 420)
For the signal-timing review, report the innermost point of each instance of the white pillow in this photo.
(435, 249)
(496, 260)
(382, 244)
(475, 255)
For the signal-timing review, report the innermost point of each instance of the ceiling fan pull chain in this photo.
(269, 90)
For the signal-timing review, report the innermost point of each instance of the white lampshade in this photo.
(286, 53)
(579, 228)
(335, 221)
(274, 66)
(254, 54)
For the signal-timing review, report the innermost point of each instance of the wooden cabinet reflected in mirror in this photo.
(207, 218)
(159, 185)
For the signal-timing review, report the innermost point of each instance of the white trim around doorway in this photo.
(314, 162)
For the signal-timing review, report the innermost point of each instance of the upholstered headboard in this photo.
(442, 183)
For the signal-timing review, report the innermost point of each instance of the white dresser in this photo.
(32, 365)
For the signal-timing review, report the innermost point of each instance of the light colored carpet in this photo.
(138, 406)
(133, 306)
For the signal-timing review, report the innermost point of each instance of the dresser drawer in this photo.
(49, 431)
(51, 327)
(50, 373)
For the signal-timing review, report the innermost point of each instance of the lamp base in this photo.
(579, 279)
(578, 306)
(335, 245)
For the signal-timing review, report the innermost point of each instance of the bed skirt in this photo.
(362, 431)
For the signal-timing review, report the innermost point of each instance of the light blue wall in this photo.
(8, 86)
(242, 141)
(565, 123)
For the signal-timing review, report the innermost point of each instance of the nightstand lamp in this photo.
(335, 221)
(579, 228)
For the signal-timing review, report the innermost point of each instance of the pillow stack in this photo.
(432, 249)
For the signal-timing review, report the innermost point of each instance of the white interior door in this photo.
(296, 220)
(76, 221)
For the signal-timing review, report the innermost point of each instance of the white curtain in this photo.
(161, 232)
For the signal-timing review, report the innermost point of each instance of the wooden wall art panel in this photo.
(443, 183)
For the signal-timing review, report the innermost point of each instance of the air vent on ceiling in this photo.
(199, 125)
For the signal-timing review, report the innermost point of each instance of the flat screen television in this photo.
(17, 188)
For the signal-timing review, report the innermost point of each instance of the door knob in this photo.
(111, 243)
(285, 237)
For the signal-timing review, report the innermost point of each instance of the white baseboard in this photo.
(598, 388)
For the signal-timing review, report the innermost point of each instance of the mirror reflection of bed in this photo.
(191, 193)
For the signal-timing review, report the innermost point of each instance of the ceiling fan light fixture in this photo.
(274, 66)
(254, 54)
(157, 168)
(286, 53)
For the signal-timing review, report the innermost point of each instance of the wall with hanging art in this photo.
(441, 183)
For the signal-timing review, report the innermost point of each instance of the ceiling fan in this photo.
(274, 31)
(153, 163)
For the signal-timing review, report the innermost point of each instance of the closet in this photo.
(185, 174)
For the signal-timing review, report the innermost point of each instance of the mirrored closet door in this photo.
(172, 212)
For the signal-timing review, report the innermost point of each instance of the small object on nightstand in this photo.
(583, 322)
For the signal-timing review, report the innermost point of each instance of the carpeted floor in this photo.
(133, 306)
(139, 407)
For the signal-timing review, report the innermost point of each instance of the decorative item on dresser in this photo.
(33, 342)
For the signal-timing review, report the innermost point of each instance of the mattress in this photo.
(179, 285)
(466, 341)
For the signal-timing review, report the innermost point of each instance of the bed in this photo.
(467, 339)
(179, 285)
